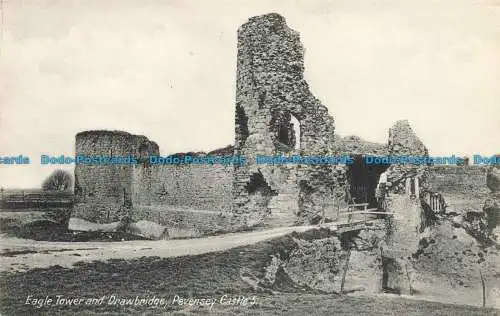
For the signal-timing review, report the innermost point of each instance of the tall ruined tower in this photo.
(276, 114)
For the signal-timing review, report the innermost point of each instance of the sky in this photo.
(166, 69)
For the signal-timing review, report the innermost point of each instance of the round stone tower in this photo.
(103, 190)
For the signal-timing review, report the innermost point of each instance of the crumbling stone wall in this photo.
(103, 192)
(354, 145)
(404, 142)
(270, 91)
(492, 203)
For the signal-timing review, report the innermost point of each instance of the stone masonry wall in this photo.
(458, 179)
(404, 142)
(275, 114)
(189, 200)
(271, 93)
(201, 187)
(103, 192)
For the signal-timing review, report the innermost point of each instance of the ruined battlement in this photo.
(275, 114)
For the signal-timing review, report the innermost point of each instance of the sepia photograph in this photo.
(250, 157)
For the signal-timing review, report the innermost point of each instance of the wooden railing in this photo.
(23, 199)
(360, 209)
(436, 202)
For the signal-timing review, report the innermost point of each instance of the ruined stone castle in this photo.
(275, 114)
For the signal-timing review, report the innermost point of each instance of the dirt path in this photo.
(23, 254)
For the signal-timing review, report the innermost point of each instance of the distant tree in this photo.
(58, 180)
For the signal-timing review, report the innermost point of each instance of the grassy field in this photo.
(210, 275)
